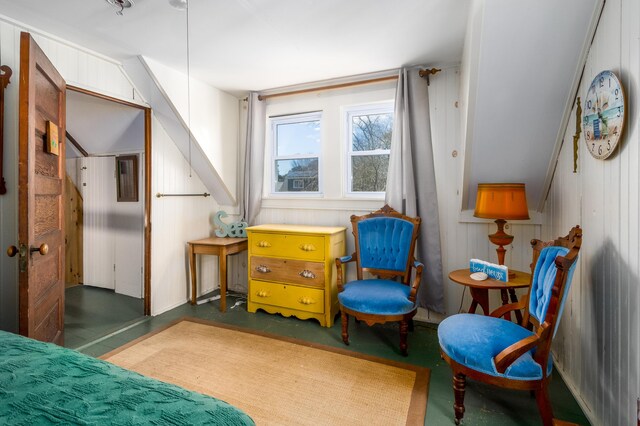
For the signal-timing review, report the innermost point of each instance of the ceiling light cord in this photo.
(188, 89)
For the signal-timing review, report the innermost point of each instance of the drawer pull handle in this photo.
(262, 293)
(307, 247)
(306, 274)
(263, 268)
(306, 301)
(263, 244)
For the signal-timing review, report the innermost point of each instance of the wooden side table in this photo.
(480, 289)
(220, 247)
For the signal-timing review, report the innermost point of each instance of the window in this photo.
(369, 131)
(296, 153)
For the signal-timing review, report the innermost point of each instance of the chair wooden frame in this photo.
(541, 340)
(405, 320)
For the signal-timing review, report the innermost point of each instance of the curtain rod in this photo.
(160, 195)
(423, 73)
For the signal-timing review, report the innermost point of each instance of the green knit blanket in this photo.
(41, 383)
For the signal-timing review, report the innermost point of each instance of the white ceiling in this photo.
(103, 127)
(240, 45)
(528, 57)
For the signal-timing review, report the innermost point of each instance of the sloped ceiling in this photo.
(527, 57)
(529, 61)
(103, 127)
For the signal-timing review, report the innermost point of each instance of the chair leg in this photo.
(345, 327)
(459, 384)
(404, 331)
(544, 405)
(411, 325)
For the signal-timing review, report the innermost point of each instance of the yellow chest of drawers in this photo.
(292, 270)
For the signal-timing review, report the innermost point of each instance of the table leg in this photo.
(505, 301)
(192, 268)
(480, 297)
(514, 299)
(222, 261)
(474, 305)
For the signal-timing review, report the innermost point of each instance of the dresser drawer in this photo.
(288, 271)
(293, 297)
(309, 247)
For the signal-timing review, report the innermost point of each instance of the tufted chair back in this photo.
(544, 276)
(554, 263)
(385, 243)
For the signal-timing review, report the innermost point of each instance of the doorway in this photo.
(107, 202)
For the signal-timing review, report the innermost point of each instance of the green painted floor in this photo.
(93, 312)
(485, 405)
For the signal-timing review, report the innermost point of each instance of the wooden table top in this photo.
(217, 241)
(462, 276)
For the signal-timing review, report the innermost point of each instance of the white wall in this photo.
(98, 189)
(598, 342)
(9, 40)
(113, 232)
(462, 236)
(174, 221)
(211, 113)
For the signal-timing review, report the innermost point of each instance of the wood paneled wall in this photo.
(598, 343)
(73, 257)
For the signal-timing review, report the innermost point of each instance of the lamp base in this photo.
(501, 238)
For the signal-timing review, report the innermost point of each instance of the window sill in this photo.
(346, 204)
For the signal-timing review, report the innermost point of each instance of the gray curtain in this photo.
(250, 196)
(411, 182)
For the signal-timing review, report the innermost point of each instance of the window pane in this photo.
(371, 131)
(298, 138)
(369, 173)
(297, 175)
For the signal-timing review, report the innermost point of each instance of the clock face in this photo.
(603, 115)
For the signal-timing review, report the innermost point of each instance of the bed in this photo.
(41, 383)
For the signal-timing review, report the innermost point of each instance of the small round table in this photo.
(480, 289)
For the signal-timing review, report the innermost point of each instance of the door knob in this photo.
(43, 249)
(22, 251)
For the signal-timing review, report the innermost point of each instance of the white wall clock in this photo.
(603, 115)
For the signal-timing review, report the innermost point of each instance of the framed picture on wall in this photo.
(127, 178)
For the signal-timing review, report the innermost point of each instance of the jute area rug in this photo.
(279, 381)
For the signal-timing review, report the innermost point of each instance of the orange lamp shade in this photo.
(501, 201)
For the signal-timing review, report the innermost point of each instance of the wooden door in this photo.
(41, 200)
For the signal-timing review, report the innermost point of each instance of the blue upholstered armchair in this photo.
(502, 353)
(385, 241)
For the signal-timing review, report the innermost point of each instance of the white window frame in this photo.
(349, 112)
(292, 119)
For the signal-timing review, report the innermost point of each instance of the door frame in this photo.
(147, 187)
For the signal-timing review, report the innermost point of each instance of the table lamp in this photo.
(501, 201)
